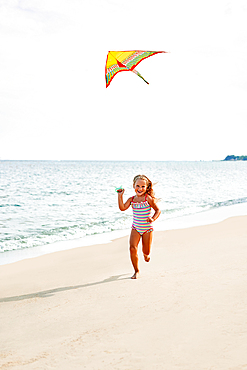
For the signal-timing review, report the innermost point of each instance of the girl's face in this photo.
(140, 187)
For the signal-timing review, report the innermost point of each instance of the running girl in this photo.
(142, 228)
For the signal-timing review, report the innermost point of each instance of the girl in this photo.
(142, 228)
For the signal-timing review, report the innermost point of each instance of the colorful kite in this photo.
(119, 61)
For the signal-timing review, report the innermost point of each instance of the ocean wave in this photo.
(73, 200)
(229, 202)
(10, 205)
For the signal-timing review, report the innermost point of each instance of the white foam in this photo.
(25, 253)
(203, 218)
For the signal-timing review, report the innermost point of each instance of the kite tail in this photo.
(138, 74)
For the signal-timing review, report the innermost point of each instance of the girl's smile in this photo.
(140, 187)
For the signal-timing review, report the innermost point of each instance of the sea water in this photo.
(47, 206)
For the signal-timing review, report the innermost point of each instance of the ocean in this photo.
(47, 206)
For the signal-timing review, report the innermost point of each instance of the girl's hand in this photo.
(150, 219)
(120, 191)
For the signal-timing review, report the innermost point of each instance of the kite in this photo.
(119, 61)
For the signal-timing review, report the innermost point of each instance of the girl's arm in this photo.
(123, 206)
(157, 211)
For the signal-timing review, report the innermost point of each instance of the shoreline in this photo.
(79, 308)
(206, 217)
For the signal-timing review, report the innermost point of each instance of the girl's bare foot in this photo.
(136, 275)
(146, 257)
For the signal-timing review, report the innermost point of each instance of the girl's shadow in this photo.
(51, 292)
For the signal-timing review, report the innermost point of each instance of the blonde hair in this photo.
(149, 183)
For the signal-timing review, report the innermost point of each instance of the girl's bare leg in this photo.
(146, 245)
(134, 241)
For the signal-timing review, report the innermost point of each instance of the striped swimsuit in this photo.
(141, 211)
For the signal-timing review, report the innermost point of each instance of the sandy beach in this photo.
(79, 309)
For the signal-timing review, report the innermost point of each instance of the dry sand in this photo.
(79, 309)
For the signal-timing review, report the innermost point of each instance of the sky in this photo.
(54, 104)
